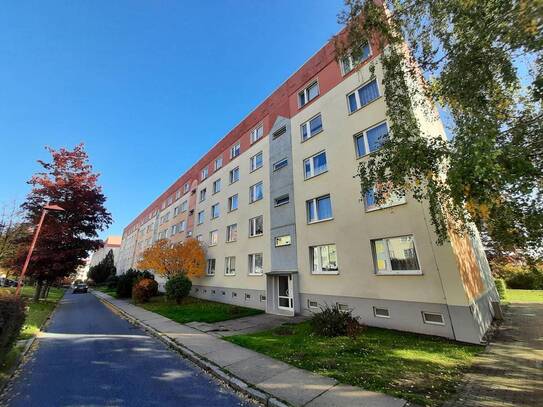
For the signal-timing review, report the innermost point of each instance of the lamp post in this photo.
(53, 208)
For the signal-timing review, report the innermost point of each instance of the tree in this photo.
(167, 259)
(12, 231)
(467, 58)
(100, 272)
(66, 237)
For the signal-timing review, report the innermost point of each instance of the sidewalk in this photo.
(263, 378)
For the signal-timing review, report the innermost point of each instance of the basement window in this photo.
(381, 312)
(432, 318)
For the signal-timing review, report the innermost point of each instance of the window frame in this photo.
(209, 268)
(363, 134)
(230, 200)
(388, 262)
(275, 164)
(320, 270)
(252, 224)
(312, 165)
(234, 170)
(215, 210)
(282, 245)
(252, 161)
(359, 105)
(305, 93)
(351, 61)
(228, 266)
(252, 190)
(211, 234)
(204, 173)
(202, 195)
(376, 315)
(219, 161)
(254, 133)
(214, 186)
(252, 264)
(424, 320)
(228, 229)
(282, 197)
(307, 126)
(313, 202)
(202, 215)
(235, 150)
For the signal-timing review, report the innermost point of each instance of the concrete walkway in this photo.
(294, 386)
(510, 372)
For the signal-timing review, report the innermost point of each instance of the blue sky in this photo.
(148, 86)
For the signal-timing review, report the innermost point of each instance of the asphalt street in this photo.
(89, 356)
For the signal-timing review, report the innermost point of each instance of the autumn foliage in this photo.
(168, 260)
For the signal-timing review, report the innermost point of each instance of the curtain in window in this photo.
(324, 208)
(377, 136)
(368, 93)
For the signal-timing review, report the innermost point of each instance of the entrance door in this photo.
(285, 292)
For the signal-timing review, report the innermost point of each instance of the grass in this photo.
(421, 369)
(8, 363)
(524, 295)
(196, 310)
(107, 290)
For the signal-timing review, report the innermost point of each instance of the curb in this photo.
(232, 381)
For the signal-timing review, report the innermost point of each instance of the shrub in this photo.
(333, 321)
(12, 318)
(526, 280)
(127, 280)
(178, 287)
(144, 289)
(500, 287)
(112, 281)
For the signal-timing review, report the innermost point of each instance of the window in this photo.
(311, 127)
(200, 238)
(256, 192)
(319, 209)
(432, 318)
(235, 150)
(234, 295)
(371, 140)
(210, 271)
(280, 164)
(213, 237)
(203, 174)
(255, 264)
(257, 133)
(176, 211)
(396, 255)
(201, 217)
(323, 259)
(234, 175)
(232, 233)
(256, 226)
(315, 165)
(173, 230)
(215, 211)
(262, 297)
(181, 227)
(230, 267)
(279, 132)
(203, 195)
(186, 187)
(308, 94)
(217, 186)
(389, 199)
(178, 195)
(363, 96)
(312, 304)
(342, 307)
(247, 297)
(282, 200)
(354, 58)
(218, 163)
(184, 206)
(282, 241)
(256, 161)
(233, 203)
(381, 312)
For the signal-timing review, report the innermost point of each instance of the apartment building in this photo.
(281, 216)
(111, 243)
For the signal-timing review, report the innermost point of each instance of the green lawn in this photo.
(418, 368)
(8, 363)
(196, 310)
(107, 290)
(524, 295)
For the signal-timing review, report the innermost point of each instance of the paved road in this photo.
(91, 357)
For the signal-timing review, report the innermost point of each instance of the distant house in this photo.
(111, 243)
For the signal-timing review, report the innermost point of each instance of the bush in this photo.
(112, 281)
(526, 280)
(126, 281)
(500, 287)
(178, 287)
(144, 289)
(12, 318)
(333, 321)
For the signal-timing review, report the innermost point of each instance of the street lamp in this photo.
(52, 208)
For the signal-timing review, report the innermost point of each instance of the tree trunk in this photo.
(44, 291)
(37, 291)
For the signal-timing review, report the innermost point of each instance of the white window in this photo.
(282, 241)
(232, 233)
(200, 238)
(311, 127)
(355, 57)
(312, 304)
(381, 312)
(170, 200)
(235, 150)
(234, 175)
(230, 266)
(279, 132)
(282, 200)
(363, 96)
(181, 227)
(308, 94)
(215, 211)
(178, 194)
(323, 259)
(256, 161)
(247, 297)
(256, 226)
(213, 237)
(173, 230)
(319, 209)
(201, 217)
(203, 195)
(233, 203)
(371, 139)
(395, 255)
(256, 192)
(280, 164)
(184, 206)
(176, 211)
(255, 264)
(257, 133)
(433, 318)
(186, 187)
(389, 199)
(210, 271)
(217, 186)
(262, 297)
(315, 165)
(218, 163)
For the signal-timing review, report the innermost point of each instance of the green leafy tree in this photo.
(104, 269)
(481, 63)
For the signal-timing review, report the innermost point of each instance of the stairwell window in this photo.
(352, 59)
(256, 161)
(230, 266)
(280, 164)
(232, 233)
(255, 264)
(311, 128)
(233, 203)
(308, 94)
(363, 96)
(323, 259)
(395, 255)
(315, 165)
(281, 200)
(210, 271)
(256, 226)
(319, 209)
(234, 175)
(371, 140)
(282, 241)
(257, 133)
(256, 192)
(235, 150)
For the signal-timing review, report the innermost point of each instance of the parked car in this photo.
(6, 282)
(80, 288)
